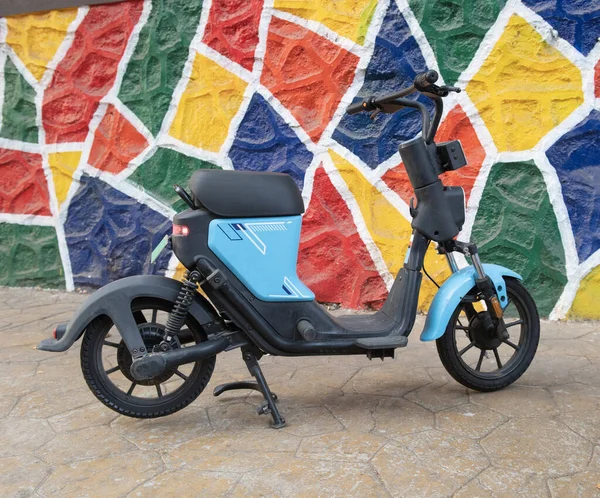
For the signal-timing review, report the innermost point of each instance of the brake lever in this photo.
(446, 88)
(374, 114)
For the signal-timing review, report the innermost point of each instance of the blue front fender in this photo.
(454, 289)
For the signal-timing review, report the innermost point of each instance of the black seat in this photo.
(246, 194)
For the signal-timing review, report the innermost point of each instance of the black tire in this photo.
(452, 355)
(126, 403)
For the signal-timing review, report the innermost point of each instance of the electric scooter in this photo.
(150, 342)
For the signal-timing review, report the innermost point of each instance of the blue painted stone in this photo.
(577, 21)
(111, 235)
(264, 142)
(395, 62)
(576, 160)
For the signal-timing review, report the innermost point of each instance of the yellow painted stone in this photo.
(179, 272)
(36, 37)
(63, 165)
(524, 88)
(585, 304)
(211, 99)
(349, 18)
(389, 229)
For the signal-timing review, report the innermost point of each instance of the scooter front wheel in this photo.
(481, 360)
(106, 362)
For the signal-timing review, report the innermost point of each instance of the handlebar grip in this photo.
(423, 80)
(355, 108)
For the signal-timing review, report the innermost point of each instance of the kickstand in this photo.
(268, 406)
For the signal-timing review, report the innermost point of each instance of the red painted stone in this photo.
(232, 29)
(116, 142)
(456, 126)
(307, 73)
(23, 185)
(333, 260)
(87, 71)
(597, 80)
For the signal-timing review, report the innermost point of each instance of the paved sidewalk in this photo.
(356, 428)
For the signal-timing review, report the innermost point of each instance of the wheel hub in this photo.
(480, 336)
(152, 335)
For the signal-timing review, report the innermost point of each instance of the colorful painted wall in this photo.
(103, 108)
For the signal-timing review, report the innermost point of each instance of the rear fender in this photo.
(454, 289)
(114, 300)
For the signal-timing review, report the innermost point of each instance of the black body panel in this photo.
(273, 325)
(439, 214)
(246, 194)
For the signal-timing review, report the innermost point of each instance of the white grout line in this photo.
(23, 69)
(371, 176)
(27, 219)
(419, 36)
(361, 226)
(135, 163)
(289, 119)
(7, 143)
(309, 178)
(359, 73)
(231, 66)
(234, 126)
(131, 190)
(565, 301)
(39, 100)
(163, 134)
(475, 197)
(170, 142)
(321, 30)
(3, 56)
(263, 33)
(575, 271)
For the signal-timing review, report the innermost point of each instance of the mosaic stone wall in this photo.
(103, 108)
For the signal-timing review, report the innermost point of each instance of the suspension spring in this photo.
(182, 305)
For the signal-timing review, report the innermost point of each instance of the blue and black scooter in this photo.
(150, 343)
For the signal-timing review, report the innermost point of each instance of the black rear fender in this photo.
(114, 301)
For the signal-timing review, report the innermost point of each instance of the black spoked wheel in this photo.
(482, 361)
(106, 362)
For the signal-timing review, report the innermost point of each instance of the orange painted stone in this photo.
(116, 142)
(23, 185)
(87, 71)
(456, 126)
(307, 73)
(333, 260)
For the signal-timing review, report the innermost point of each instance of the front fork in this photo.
(484, 284)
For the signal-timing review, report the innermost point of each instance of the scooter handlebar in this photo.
(423, 80)
(355, 108)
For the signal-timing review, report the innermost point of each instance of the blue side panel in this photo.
(262, 253)
(454, 289)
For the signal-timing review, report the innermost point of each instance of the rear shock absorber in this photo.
(182, 305)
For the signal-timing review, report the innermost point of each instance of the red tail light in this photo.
(181, 230)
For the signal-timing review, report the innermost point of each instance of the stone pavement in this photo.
(356, 428)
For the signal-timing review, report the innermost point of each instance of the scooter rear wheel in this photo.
(482, 361)
(105, 362)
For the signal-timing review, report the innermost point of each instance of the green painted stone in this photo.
(157, 62)
(454, 29)
(29, 257)
(516, 227)
(18, 111)
(164, 169)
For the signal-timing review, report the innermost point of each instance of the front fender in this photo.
(114, 300)
(454, 289)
